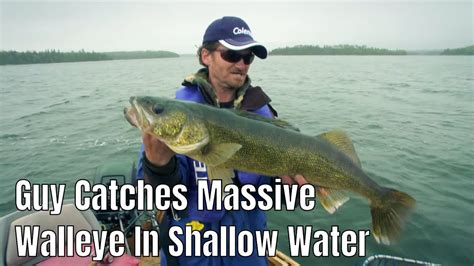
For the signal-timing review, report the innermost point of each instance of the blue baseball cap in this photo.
(234, 34)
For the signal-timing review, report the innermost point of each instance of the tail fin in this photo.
(388, 217)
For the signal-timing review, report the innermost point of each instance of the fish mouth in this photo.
(130, 115)
(137, 116)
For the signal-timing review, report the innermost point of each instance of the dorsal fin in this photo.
(274, 121)
(341, 140)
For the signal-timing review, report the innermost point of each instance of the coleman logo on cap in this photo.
(242, 30)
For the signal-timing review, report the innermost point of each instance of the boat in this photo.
(89, 220)
(381, 259)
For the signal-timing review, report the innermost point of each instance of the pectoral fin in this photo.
(331, 199)
(225, 174)
(217, 154)
(341, 140)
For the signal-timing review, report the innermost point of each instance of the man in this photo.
(227, 51)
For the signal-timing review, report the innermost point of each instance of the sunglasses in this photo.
(234, 56)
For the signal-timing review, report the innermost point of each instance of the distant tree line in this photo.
(468, 50)
(55, 56)
(344, 49)
(140, 54)
(48, 56)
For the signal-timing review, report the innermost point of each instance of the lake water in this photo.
(411, 119)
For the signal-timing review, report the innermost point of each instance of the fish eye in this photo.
(158, 109)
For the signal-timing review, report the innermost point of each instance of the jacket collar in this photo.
(249, 98)
(201, 79)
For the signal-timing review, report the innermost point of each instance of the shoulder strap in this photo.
(255, 98)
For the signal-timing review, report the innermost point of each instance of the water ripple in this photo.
(411, 119)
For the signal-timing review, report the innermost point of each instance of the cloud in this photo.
(178, 26)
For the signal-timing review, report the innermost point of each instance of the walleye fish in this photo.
(226, 139)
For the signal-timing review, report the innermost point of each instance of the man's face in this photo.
(225, 74)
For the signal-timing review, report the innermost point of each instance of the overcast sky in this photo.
(178, 26)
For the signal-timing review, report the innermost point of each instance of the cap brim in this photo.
(259, 50)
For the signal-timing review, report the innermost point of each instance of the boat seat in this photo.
(81, 220)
